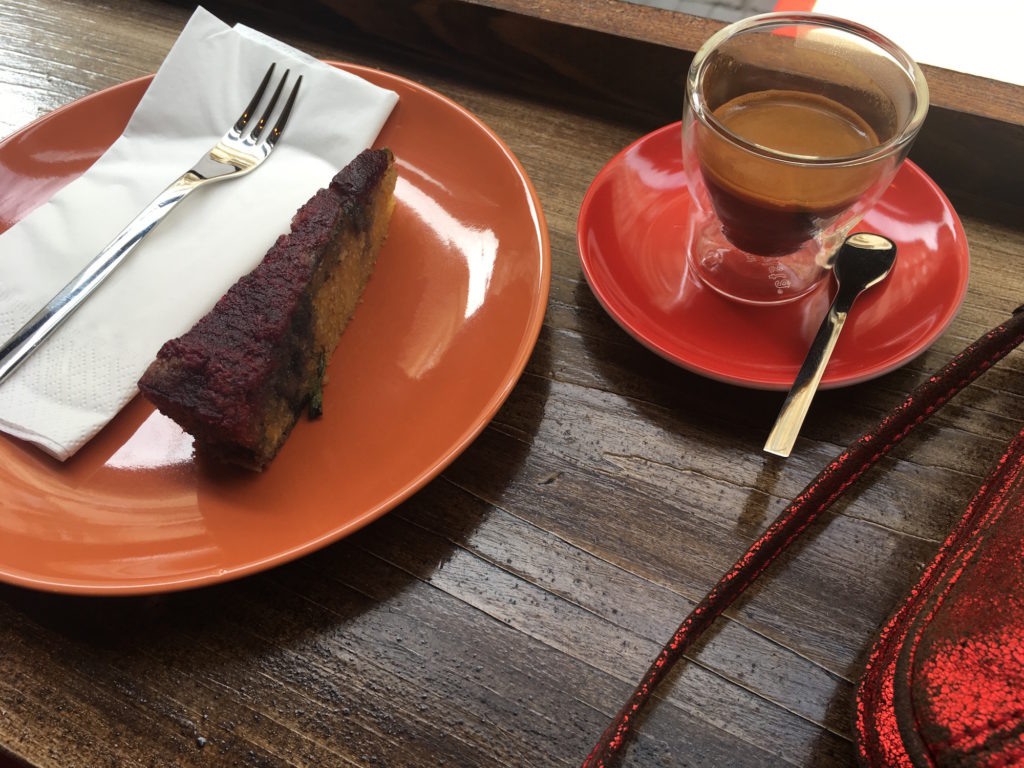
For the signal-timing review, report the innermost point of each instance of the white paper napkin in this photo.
(87, 370)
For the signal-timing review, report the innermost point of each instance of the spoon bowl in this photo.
(864, 260)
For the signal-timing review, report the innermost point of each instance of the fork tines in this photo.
(282, 120)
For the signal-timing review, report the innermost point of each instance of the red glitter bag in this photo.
(944, 685)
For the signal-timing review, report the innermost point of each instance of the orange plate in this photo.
(444, 330)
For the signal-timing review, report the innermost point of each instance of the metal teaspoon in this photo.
(863, 261)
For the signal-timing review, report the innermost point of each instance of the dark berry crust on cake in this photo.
(239, 378)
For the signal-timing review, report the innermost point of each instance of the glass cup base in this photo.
(752, 279)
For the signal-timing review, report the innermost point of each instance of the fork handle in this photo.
(28, 338)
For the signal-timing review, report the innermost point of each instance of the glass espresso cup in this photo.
(794, 125)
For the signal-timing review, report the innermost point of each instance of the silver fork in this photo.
(239, 151)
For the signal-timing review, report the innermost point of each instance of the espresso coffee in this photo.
(768, 206)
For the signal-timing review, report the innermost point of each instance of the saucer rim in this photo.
(753, 381)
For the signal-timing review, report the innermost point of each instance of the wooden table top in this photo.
(504, 613)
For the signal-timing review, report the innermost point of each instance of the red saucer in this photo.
(631, 234)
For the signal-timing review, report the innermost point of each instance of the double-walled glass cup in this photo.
(794, 126)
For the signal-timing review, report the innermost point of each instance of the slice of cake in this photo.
(239, 378)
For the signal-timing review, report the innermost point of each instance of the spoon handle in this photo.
(798, 401)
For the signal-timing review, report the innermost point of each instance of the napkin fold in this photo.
(79, 379)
